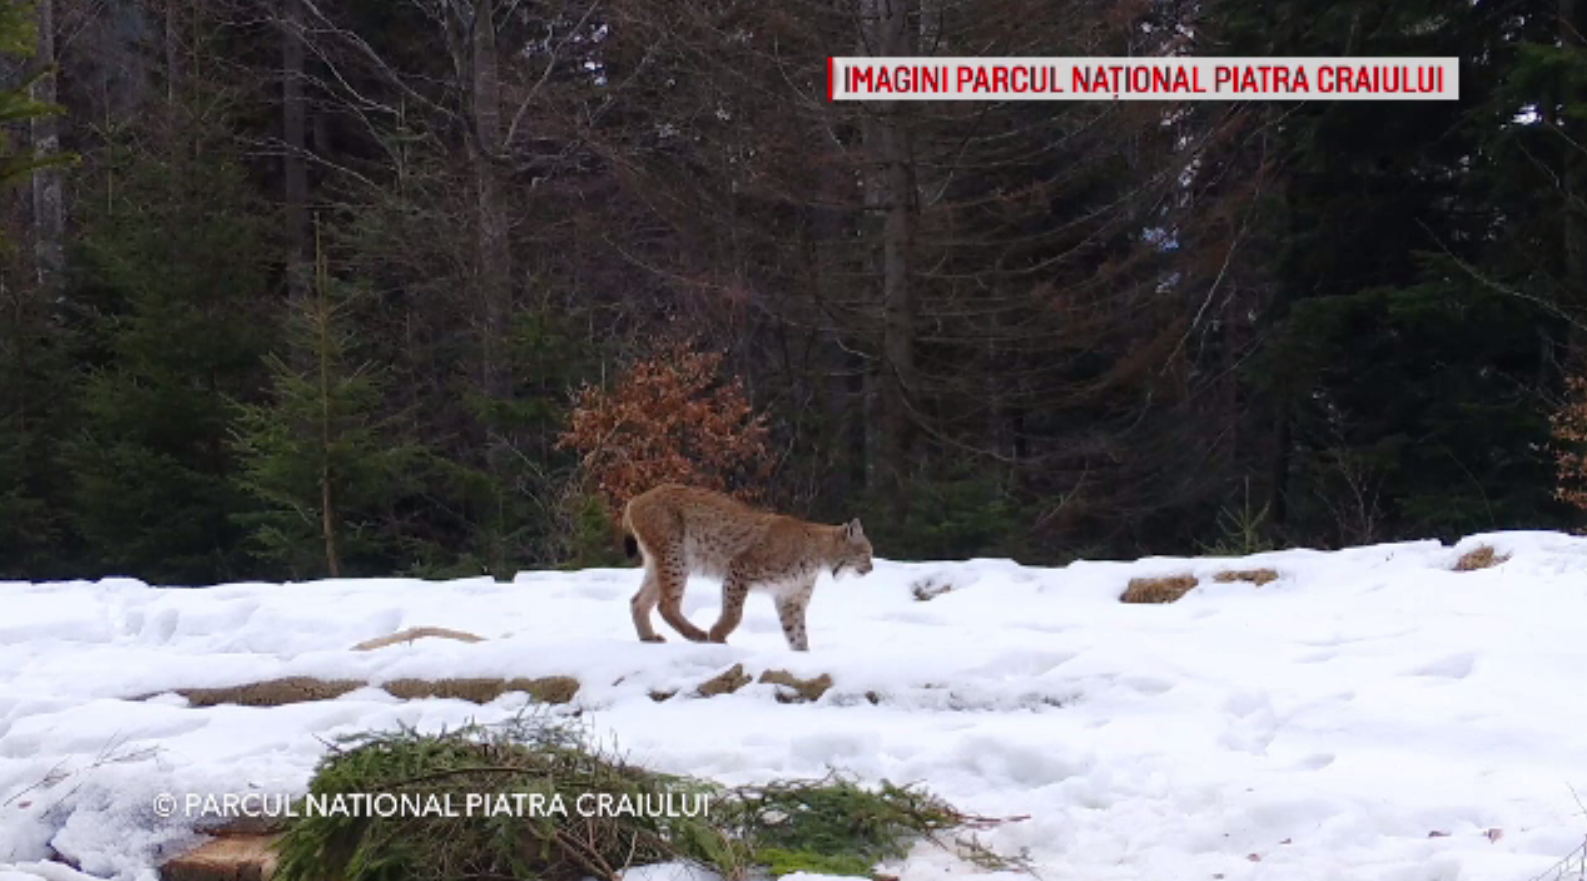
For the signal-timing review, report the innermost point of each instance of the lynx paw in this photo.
(654, 637)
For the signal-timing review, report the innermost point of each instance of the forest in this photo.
(296, 288)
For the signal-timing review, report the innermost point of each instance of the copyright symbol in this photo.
(165, 804)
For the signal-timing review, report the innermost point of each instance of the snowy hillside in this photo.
(1371, 714)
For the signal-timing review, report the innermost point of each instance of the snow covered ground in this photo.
(1370, 715)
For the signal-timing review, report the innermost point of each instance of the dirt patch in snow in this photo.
(1158, 590)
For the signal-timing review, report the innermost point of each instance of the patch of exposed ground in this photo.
(790, 688)
(1480, 557)
(544, 689)
(928, 589)
(301, 689)
(793, 690)
(1158, 590)
(1257, 577)
(726, 682)
(271, 692)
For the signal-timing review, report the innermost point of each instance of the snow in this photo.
(1369, 715)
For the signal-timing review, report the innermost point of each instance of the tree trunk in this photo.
(322, 316)
(173, 51)
(49, 223)
(888, 137)
(1283, 445)
(294, 134)
(1573, 179)
(494, 254)
(333, 559)
(494, 267)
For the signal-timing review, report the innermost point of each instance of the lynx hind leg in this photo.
(791, 611)
(644, 603)
(734, 591)
(671, 580)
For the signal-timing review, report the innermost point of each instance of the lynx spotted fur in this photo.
(683, 531)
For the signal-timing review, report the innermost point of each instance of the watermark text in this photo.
(259, 805)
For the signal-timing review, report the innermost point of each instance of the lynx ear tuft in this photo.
(853, 529)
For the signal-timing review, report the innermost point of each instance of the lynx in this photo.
(683, 531)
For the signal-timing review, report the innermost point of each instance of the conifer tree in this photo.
(1391, 385)
(31, 351)
(173, 279)
(316, 454)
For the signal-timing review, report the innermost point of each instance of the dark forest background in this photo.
(431, 286)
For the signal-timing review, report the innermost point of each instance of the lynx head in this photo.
(853, 551)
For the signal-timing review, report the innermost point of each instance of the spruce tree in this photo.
(1406, 387)
(32, 528)
(317, 454)
(174, 278)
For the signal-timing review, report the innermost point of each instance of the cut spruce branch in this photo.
(832, 825)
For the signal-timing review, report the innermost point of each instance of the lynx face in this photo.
(854, 551)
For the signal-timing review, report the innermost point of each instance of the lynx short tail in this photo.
(630, 543)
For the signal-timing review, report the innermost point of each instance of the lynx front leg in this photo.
(791, 610)
(734, 591)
